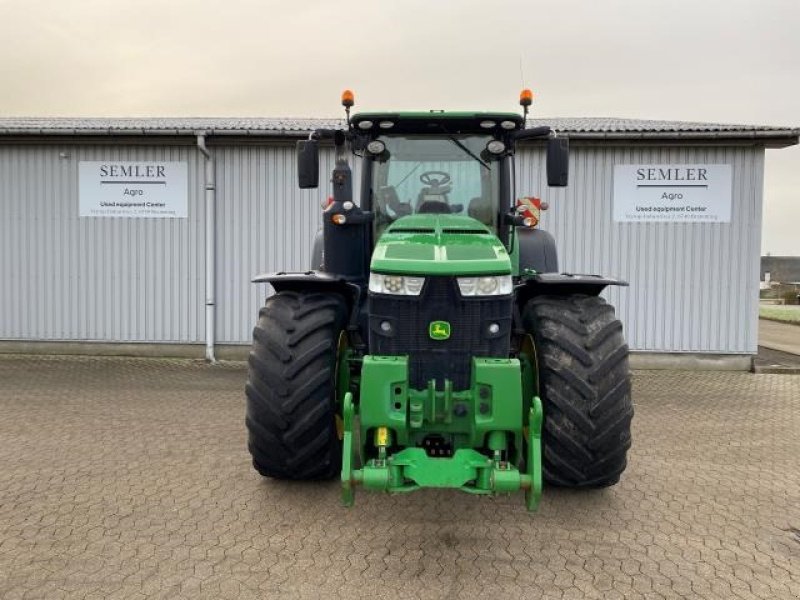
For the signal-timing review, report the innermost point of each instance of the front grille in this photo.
(440, 300)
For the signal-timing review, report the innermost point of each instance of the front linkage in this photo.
(394, 419)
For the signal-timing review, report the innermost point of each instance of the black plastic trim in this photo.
(563, 284)
(315, 282)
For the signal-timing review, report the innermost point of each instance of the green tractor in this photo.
(434, 343)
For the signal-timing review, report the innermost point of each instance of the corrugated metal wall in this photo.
(265, 224)
(694, 287)
(63, 277)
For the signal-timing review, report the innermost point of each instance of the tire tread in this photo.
(291, 386)
(585, 389)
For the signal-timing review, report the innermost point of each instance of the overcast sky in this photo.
(735, 61)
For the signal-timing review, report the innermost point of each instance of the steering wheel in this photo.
(435, 178)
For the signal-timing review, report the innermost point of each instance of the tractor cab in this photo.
(436, 163)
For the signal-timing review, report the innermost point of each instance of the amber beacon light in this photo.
(526, 97)
(348, 100)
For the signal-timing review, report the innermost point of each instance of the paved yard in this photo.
(130, 479)
(784, 337)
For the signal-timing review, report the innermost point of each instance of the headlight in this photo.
(402, 285)
(493, 285)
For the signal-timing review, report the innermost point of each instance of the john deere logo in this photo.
(439, 330)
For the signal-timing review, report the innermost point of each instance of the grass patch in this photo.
(789, 314)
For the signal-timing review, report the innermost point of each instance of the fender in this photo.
(563, 284)
(314, 282)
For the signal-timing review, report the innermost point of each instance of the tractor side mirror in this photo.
(557, 161)
(308, 164)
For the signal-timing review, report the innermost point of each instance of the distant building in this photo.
(777, 270)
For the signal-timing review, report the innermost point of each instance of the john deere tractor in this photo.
(433, 343)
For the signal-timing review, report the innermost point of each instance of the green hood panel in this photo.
(432, 244)
(411, 252)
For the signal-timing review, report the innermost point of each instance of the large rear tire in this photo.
(291, 387)
(584, 384)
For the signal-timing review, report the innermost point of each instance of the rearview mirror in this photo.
(308, 164)
(557, 161)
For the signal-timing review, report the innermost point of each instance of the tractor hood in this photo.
(431, 244)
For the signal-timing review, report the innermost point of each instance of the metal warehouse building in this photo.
(78, 274)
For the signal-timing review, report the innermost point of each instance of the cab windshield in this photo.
(444, 174)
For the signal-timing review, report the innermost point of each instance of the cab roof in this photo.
(435, 121)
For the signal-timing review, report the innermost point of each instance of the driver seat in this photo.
(433, 199)
(434, 207)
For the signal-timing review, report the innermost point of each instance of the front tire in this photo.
(584, 384)
(291, 387)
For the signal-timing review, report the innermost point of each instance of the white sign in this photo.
(673, 193)
(133, 189)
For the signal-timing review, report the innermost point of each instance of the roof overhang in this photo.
(226, 130)
(779, 138)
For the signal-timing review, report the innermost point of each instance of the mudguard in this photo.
(563, 284)
(312, 282)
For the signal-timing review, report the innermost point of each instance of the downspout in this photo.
(211, 247)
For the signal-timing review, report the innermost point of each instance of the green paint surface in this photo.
(436, 116)
(440, 245)
(411, 252)
(493, 402)
(493, 435)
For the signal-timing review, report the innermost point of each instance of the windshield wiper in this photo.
(467, 150)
